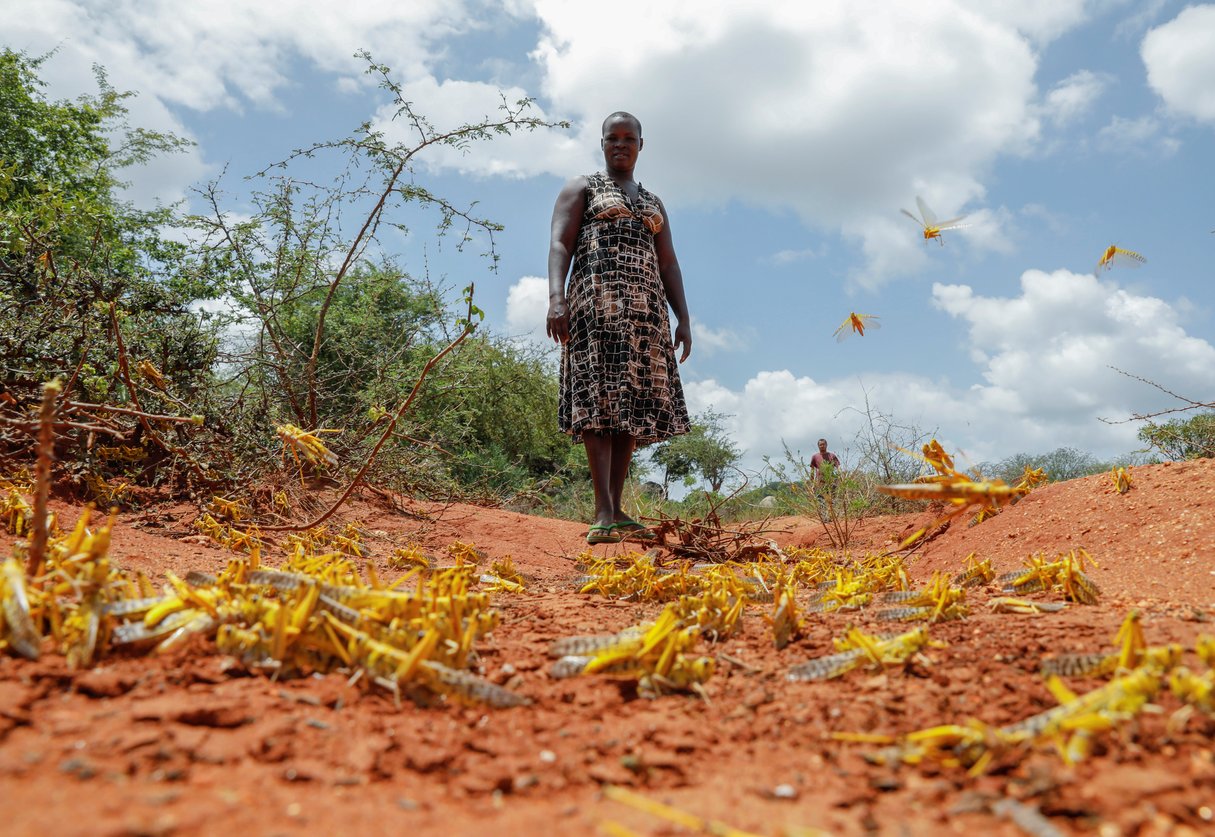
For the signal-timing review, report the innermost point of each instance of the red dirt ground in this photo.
(193, 744)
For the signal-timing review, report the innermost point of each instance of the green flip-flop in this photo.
(602, 534)
(634, 531)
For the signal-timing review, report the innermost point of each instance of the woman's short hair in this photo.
(620, 114)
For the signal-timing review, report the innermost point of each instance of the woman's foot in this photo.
(630, 530)
(603, 534)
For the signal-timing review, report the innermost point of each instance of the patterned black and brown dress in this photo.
(618, 370)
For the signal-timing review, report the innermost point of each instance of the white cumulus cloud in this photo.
(1075, 95)
(1045, 364)
(1042, 20)
(220, 54)
(450, 103)
(229, 53)
(1145, 135)
(1180, 60)
(527, 310)
(776, 410)
(708, 340)
(838, 111)
(1045, 355)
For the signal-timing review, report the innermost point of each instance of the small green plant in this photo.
(839, 499)
(843, 499)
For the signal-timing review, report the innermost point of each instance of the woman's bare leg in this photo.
(599, 455)
(623, 446)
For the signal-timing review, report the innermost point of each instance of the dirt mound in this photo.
(193, 743)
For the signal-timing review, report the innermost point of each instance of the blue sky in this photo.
(783, 137)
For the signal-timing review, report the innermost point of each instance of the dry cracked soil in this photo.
(192, 743)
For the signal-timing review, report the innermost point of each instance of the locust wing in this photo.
(1119, 256)
(856, 323)
(953, 223)
(930, 217)
(869, 322)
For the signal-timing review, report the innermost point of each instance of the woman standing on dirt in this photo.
(619, 380)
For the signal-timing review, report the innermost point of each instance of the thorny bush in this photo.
(311, 322)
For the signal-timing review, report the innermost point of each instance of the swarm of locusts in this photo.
(416, 636)
(857, 648)
(654, 654)
(708, 601)
(1065, 575)
(962, 492)
(1138, 673)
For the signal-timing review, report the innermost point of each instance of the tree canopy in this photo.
(1182, 438)
(319, 324)
(706, 452)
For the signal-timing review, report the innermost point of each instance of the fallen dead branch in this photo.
(706, 540)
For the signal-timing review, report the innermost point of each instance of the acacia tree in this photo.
(323, 324)
(887, 449)
(299, 250)
(336, 328)
(1180, 439)
(705, 451)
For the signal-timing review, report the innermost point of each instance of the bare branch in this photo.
(1190, 403)
(468, 329)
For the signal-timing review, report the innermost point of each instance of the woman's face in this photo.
(621, 144)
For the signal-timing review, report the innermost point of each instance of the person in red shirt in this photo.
(820, 488)
(823, 455)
